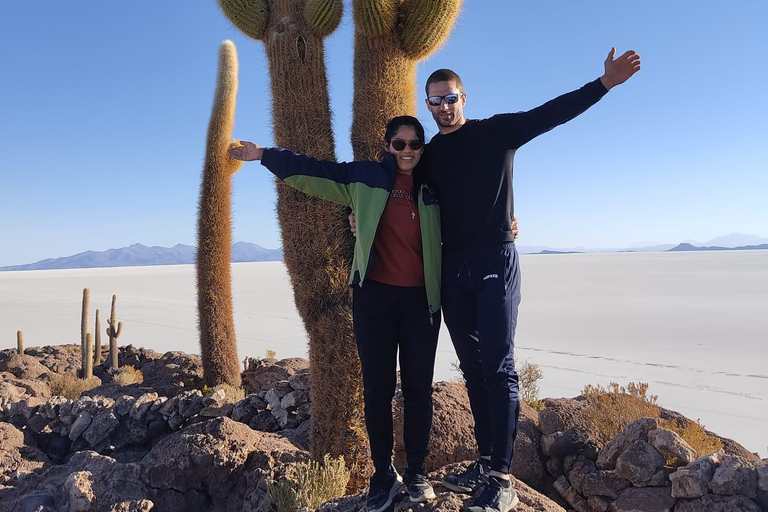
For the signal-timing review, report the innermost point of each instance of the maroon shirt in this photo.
(397, 251)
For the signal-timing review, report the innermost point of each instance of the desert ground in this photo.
(692, 325)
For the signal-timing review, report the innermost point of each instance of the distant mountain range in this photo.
(179, 254)
(141, 255)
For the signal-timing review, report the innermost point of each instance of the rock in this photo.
(762, 475)
(604, 483)
(452, 437)
(264, 373)
(222, 460)
(570, 495)
(190, 403)
(81, 423)
(644, 499)
(215, 398)
(715, 503)
(639, 463)
(243, 411)
(554, 466)
(294, 399)
(560, 414)
(23, 367)
(300, 380)
(37, 502)
(673, 447)
(692, 481)
(218, 410)
(599, 504)
(18, 455)
(582, 468)
(547, 440)
(734, 476)
(636, 430)
(100, 428)
(142, 405)
(571, 442)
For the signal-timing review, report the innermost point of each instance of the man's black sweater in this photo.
(471, 168)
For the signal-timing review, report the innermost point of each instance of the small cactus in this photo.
(84, 325)
(20, 342)
(97, 340)
(113, 333)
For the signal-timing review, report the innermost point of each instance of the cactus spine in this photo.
(316, 240)
(218, 345)
(20, 342)
(84, 329)
(88, 368)
(113, 333)
(97, 340)
(390, 37)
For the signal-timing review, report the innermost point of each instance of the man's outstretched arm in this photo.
(525, 126)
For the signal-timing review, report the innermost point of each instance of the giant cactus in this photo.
(114, 331)
(218, 345)
(317, 244)
(390, 37)
(84, 330)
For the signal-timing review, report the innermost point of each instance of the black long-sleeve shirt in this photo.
(471, 168)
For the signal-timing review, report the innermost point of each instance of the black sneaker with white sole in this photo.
(417, 485)
(498, 496)
(475, 476)
(384, 486)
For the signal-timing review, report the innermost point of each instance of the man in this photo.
(469, 164)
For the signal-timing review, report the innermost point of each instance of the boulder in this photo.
(673, 447)
(715, 503)
(644, 499)
(218, 464)
(692, 480)
(634, 431)
(734, 476)
(23, 367)
(639, 463)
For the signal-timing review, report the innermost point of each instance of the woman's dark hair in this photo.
(397, 122)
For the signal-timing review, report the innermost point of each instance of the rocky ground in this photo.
(164, 445)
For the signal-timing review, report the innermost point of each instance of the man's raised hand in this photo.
(618, 71)
(244, 150)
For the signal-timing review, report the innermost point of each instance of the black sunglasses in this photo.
(399, 144)
(450, 99)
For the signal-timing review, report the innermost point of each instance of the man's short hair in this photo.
(444, 75)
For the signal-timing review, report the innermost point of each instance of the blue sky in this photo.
(104, 107)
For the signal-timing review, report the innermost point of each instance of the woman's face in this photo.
(407, 157)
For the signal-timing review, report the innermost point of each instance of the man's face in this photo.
(449, 117)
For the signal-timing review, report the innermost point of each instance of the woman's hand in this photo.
(244, 150)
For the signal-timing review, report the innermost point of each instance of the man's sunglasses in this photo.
(399, 144)
(450, 99)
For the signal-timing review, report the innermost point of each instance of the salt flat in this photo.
(693, 325)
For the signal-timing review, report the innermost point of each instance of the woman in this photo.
(395, 276)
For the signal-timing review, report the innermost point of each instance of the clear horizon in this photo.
(105, 110)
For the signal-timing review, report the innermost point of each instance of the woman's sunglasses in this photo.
(399, 144)
(450, 99)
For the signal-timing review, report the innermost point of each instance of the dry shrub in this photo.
(694, 434)
(310, 485)
(611, 409)
(529, 375)
(70, 386)
(231, 393)
(127, 375)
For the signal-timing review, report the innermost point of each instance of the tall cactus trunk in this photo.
(114, 331)
(97, 340)
(84, 330)
(218, 345)
(88, 368)
(20, 342)
(317, 245)
(384, 88)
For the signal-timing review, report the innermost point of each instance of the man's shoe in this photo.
(384, 486)
(418, 486)
(470, 480)
(495, 498)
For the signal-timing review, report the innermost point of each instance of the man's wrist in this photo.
(607, 82)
